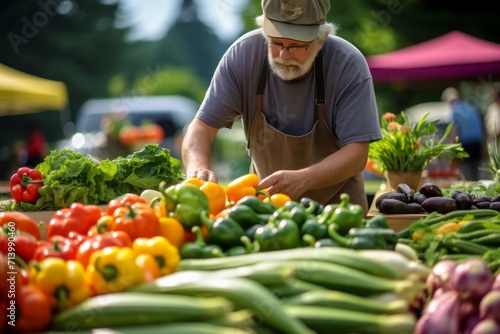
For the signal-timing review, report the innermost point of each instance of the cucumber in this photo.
(333, 320)
(337, 255)
(243, 293)
(173, 328)
(347, 301)
(294, 287)
(126, 308)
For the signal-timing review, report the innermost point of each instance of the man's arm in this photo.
(197, 149)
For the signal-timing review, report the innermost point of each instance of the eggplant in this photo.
(441, 315)
(483, 205)
(496, 198)
(464, 200)
(394, 206)
(439, 204)
(430, 190)
(417, 207)
(392, 195)
(483, 199)
(495, 206)
(406, 190)
(419, 198)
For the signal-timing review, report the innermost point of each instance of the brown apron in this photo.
(272, 150)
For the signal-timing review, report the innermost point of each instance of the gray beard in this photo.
(290, 69)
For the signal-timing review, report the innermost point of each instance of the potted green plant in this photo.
(406, 149)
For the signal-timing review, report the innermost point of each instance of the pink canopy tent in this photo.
(453, 56)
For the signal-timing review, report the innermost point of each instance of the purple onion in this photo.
(440, 274)
(486, 326)
(472, 279)
(469, 323)
(441, 315)
(496, 282)
(489, 308)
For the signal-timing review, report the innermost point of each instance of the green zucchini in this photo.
(174, 328)
(347, 301)
(337, 277)
(127, 308)
(243, 293)
(294, 287)
(333, 320)
(337, 255)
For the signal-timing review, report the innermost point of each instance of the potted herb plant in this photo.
(406, 149)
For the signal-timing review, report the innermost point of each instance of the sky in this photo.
(152, 18)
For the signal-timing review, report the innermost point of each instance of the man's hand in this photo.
(287, 182)
(204, 174)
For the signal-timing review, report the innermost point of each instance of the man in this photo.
(468, 125)
(308, 120)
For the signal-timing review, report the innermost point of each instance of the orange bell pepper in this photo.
(138, 220)
(242, 186)
(21, 222)
(149, 267)
(216, 194)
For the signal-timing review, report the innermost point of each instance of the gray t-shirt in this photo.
(350, 109)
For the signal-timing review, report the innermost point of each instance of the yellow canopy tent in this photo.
(22, 93)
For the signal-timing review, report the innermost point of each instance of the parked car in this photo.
(171, 112)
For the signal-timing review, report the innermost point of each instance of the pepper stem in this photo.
(109, 273)
(332, 233)
(61, 293)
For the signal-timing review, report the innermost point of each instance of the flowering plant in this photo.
(406, 147)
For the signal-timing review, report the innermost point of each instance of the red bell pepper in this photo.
(124, 200)
(22, 244)
(100, 241)
(33, 311)
(21, 222)
(57, 246)
(78, 218)
(24, 185)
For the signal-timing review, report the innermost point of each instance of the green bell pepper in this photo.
(389, 235)
(377, 221)
(312, 227)
(199, 249)
(309, 203)
(318, 243)
(185, 202)
(346, 215)
(246, 248)
(223, 231)
(257, 205)
(276, 235)
(361, 239)
(246, 216)
(294, 211)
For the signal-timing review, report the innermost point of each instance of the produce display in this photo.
(193, 256)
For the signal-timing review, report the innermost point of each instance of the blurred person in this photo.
(492, 118)
(306, 100)
(36, 145)
(468, 125)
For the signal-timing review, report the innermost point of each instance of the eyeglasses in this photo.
(295, 49)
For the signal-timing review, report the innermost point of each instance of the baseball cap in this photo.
(294, 19)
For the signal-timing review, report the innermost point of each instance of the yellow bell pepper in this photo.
(113, 269)
(278, 200)
(62, 281)
(166, 255)
(172, 230)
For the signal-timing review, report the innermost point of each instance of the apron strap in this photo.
(261, 86)
(320, 84)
